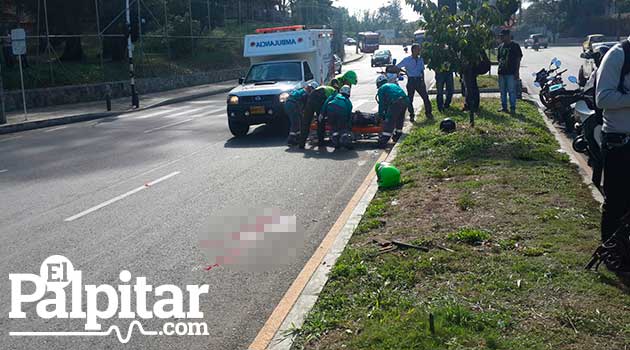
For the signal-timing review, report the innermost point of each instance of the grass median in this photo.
(519, 225)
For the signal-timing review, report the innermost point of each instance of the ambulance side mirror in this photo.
(241, 80)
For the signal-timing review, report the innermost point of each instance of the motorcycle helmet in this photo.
(388, 175)
(313, 85)
(392, 78)
(345, 90)
(380, 81)
(447, 125)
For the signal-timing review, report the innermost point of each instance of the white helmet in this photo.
(392, 78)
(313, 84)
(380, 80)
(345, 90)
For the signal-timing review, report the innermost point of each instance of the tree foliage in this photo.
(457, 39)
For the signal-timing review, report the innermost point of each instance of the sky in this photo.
(372, 5)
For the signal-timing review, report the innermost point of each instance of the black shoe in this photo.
(412, 118)
(430, 116)
(502, 110)
(382, 145)
(396, 136)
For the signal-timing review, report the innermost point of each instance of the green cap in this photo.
(388, 175)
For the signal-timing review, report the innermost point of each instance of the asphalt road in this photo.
(132, 193)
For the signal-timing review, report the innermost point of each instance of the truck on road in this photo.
(282, 59)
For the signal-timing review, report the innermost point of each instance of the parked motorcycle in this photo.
(554, 95)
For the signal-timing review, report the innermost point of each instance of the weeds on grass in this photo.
(470, 236)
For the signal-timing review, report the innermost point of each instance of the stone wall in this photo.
(37, 98)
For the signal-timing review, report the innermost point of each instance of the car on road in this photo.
(588, 63)
(542, 40)
(381, 58)
(350, 41)
(338, 63)
(587, 45)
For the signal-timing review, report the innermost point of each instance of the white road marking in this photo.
(55, 129)
(201, 113)
(3, 171)
(202, 102)
(168, 125)
(122, 196)
(155, 114)
(10, 138)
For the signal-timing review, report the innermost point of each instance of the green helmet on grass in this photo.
(387, 174)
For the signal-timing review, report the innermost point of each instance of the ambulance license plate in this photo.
(257, 110)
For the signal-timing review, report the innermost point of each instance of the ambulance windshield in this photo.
(272, 72)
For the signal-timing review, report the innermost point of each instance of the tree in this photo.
(390, 16)
(456, 40)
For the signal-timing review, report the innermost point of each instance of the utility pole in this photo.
(3, 116)
(135, 102)
(618, 22)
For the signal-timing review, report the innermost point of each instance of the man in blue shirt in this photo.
(414, 65)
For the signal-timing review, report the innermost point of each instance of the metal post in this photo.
(209, 26)
(134, 95)
(168, 42)
(141, 54)
(3, 116)
(192, 40)
(22, 81)
(618, 24)
(52, 76)
(98, 28)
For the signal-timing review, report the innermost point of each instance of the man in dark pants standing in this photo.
(510, 55)
(414, 66)
(613, 97)
(444, 80)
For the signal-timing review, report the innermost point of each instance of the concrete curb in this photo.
(354, 59)
(283, 339)
(38, 124)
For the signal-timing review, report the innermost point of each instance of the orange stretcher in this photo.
(364, 125)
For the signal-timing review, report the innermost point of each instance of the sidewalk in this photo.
(351, 55)
(65, 114)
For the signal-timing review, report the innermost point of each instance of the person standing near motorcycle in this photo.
(613, 96)
(510, 56)
(414, 66)
(392, 102)
(294, 108)
(338, 110)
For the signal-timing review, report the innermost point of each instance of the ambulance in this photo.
(281, 59)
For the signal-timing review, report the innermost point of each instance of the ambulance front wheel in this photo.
(238, 129)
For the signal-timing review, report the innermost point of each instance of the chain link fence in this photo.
(81, 42)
